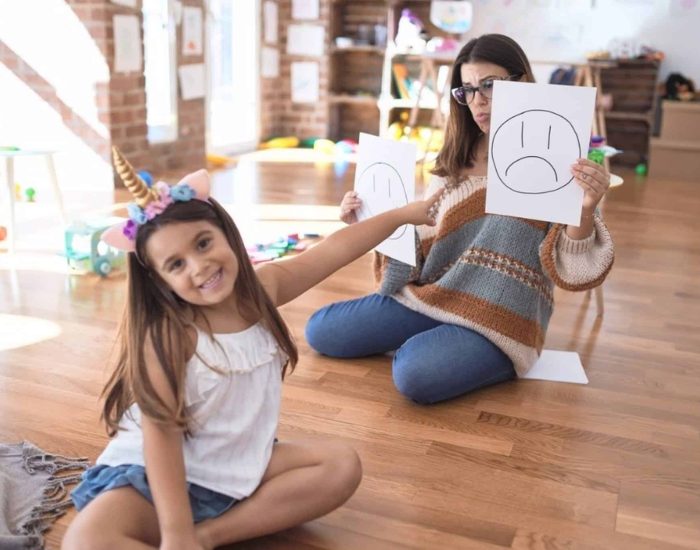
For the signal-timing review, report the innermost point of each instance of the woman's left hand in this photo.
(594, 179)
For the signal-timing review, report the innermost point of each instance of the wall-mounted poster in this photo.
(192, 31)
(305, 82)
(127, 43)
(305, 9)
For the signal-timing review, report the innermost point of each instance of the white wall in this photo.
(565, 30)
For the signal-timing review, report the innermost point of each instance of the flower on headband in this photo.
(136, 214)
(129, 229)
(182, 192)
(154, 208)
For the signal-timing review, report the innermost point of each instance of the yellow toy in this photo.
(280, 143)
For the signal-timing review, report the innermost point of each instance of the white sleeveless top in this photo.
(235, 414)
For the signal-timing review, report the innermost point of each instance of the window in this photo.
(160, 62)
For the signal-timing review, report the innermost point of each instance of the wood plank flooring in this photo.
(529, 465)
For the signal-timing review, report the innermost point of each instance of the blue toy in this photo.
(86, 252)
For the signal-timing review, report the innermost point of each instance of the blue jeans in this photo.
(434, 361)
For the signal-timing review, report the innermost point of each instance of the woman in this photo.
(474, 311)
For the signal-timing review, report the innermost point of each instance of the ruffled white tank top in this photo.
(235, 413)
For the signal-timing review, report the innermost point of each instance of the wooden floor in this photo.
(614, 464)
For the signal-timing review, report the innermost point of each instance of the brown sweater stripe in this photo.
(483, 312)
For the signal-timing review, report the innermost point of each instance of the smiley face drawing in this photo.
(381, 188)
(532, 152)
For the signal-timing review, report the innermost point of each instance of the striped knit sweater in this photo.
(493, 274)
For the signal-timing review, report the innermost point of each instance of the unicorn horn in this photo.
(142, 194)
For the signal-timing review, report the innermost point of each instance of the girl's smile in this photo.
(201, 270)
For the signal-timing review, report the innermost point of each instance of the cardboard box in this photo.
(680, 121)
(677, 160)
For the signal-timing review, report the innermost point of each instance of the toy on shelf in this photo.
(3, 233)
(85, 251)
(30, 193)
(284, 246)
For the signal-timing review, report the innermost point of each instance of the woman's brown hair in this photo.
(153, 311)
(462, 132)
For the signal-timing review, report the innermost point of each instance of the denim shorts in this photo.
(205, 503)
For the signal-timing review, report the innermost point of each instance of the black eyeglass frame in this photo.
(473, 89)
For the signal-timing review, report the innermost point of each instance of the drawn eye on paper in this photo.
(381, 188)
(532, 151)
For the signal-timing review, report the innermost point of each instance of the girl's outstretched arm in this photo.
(288, 278)
(165, 467)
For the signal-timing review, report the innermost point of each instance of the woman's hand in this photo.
(594, 179)
(348, 207)
(423, 212)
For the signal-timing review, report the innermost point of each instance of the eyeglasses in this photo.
(464, 95)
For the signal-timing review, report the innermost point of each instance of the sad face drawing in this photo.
(533, 151)
(381, 185)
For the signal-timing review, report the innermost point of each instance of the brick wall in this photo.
(86, 107)
(126, 112)
(279, 116)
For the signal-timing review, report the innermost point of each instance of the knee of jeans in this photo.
(318, 333)
(412, 381)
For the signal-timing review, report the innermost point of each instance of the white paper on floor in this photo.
(558, 366)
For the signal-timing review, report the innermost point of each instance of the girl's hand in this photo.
(348, 207)
(423, 212)
(595, 181)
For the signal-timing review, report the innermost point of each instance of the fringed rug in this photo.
(33, 493)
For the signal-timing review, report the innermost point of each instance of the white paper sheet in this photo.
(558, 366)
(127, 43)
(192, 81)
(270, 63)
(384, 180)
(270, 22)
(537, 132)
(304, 9)
(191, 31)
(305, 40)
(305, 82)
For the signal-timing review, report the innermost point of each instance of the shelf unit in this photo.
(362, 97)
(355, 71)
(633, 86)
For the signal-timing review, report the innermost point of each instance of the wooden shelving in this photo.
(633, 86)
(361, 94)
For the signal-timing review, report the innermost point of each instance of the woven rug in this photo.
(33, 493)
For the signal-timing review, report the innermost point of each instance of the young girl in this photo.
(475, 310)
(193, 403)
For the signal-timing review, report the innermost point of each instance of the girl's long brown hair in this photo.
(153, 311)
(462, 132)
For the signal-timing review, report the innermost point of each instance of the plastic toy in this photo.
(640, 169)
(86, 252)
(219, 160)
(280, 143)
(596, 155)
(3, 233)
(291, 244)
(325, 146)
(30, 193)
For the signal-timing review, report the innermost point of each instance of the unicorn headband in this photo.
(149, 202)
